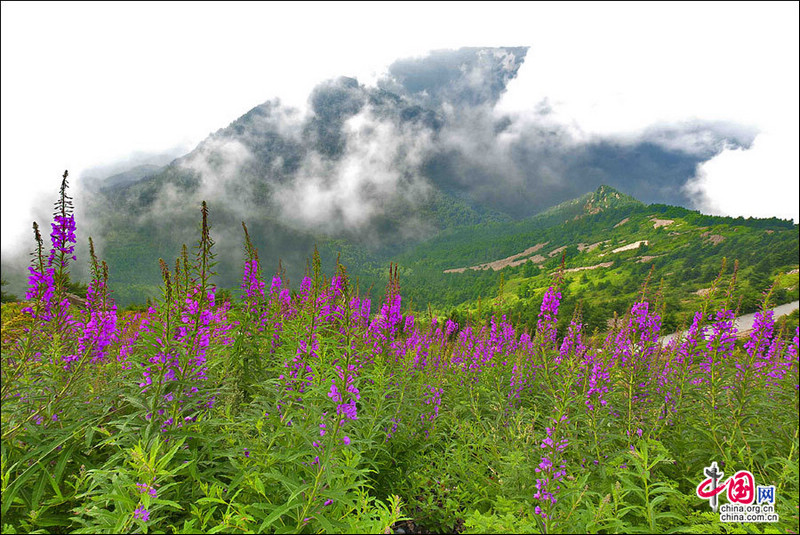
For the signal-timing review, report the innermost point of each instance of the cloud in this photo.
(750, 182)
(378, 169)
(376, 163)
(217, 162)
(463, 77)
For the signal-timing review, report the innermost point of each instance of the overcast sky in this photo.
(89, 84)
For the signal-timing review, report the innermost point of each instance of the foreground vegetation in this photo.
(313, 410)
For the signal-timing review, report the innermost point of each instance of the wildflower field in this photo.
(316, 409)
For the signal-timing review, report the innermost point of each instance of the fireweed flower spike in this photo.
(546, 325)
(552, 467)
(100, 329)
(721, 342)
(187, 327)
(62, 236)
(47, 282)
(757, 346)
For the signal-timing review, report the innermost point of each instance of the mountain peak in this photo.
(606, 197)
(606, 190)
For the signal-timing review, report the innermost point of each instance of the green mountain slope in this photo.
(380, 168)
(609, 243)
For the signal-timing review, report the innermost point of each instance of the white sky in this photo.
(86, 84)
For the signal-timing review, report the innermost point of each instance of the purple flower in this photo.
(141, 513)
(346, 440)
(348, 410)
(759, 344)
(100, 329)
(548, 313)
(719, 346)
(549, 473)
(144, 487)
(62, 237)
(334, 393)
(572, 342)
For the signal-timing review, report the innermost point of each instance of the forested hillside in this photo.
(610, 244)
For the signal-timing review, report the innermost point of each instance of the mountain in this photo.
(374, 170)
(593, 202)
(131, 176)
(610, 245)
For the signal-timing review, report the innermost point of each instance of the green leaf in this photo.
(277, 513)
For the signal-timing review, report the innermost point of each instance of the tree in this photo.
(6, 297)
(530, 270)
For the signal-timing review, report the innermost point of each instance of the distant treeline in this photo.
(696, 218)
